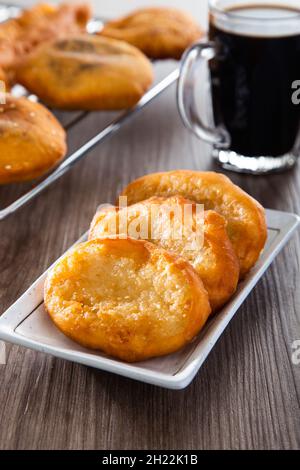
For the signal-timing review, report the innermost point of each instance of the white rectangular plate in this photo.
(27, 324)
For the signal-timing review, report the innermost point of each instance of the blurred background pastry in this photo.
(32, 140)
(161, 33)
(87, 72)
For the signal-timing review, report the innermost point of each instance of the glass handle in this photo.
(197, 56)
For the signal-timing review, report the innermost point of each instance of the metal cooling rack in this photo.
(9, 11)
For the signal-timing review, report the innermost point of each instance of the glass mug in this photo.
(253, 57)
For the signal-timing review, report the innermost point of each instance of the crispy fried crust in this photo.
(31, 140)
(39, 24)
(128, 298)
(87, 72)
(159, 32)
(210, 253)
(4, 80)
(246, 224)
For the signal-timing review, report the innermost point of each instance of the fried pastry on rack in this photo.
(4, 82)
(41, 23)
(175, 224)
(87, 72)
(127, 298)
(32, 140)
(160, 33)
(246, 223)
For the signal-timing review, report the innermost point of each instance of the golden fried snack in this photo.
(4, 83)
(246, 224)
(174, 224)
(159, 32)
(127, 298)
(87, 72)
(32, 140)
(39, 24)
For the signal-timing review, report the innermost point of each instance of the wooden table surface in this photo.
(246, 395)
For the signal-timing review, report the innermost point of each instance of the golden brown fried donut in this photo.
(128, 298)
(87, 72)
(246, 224)
(173, 228)
(41, 23)
(159, 32)
(31, 140)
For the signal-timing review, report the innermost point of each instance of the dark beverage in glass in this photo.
(254, 67)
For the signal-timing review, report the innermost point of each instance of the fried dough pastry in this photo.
(127, 298)
(159, 32)
(87, 72)
(246, 224)
(39, 24)
(174, 224)
(4, 80)
(31, 140)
